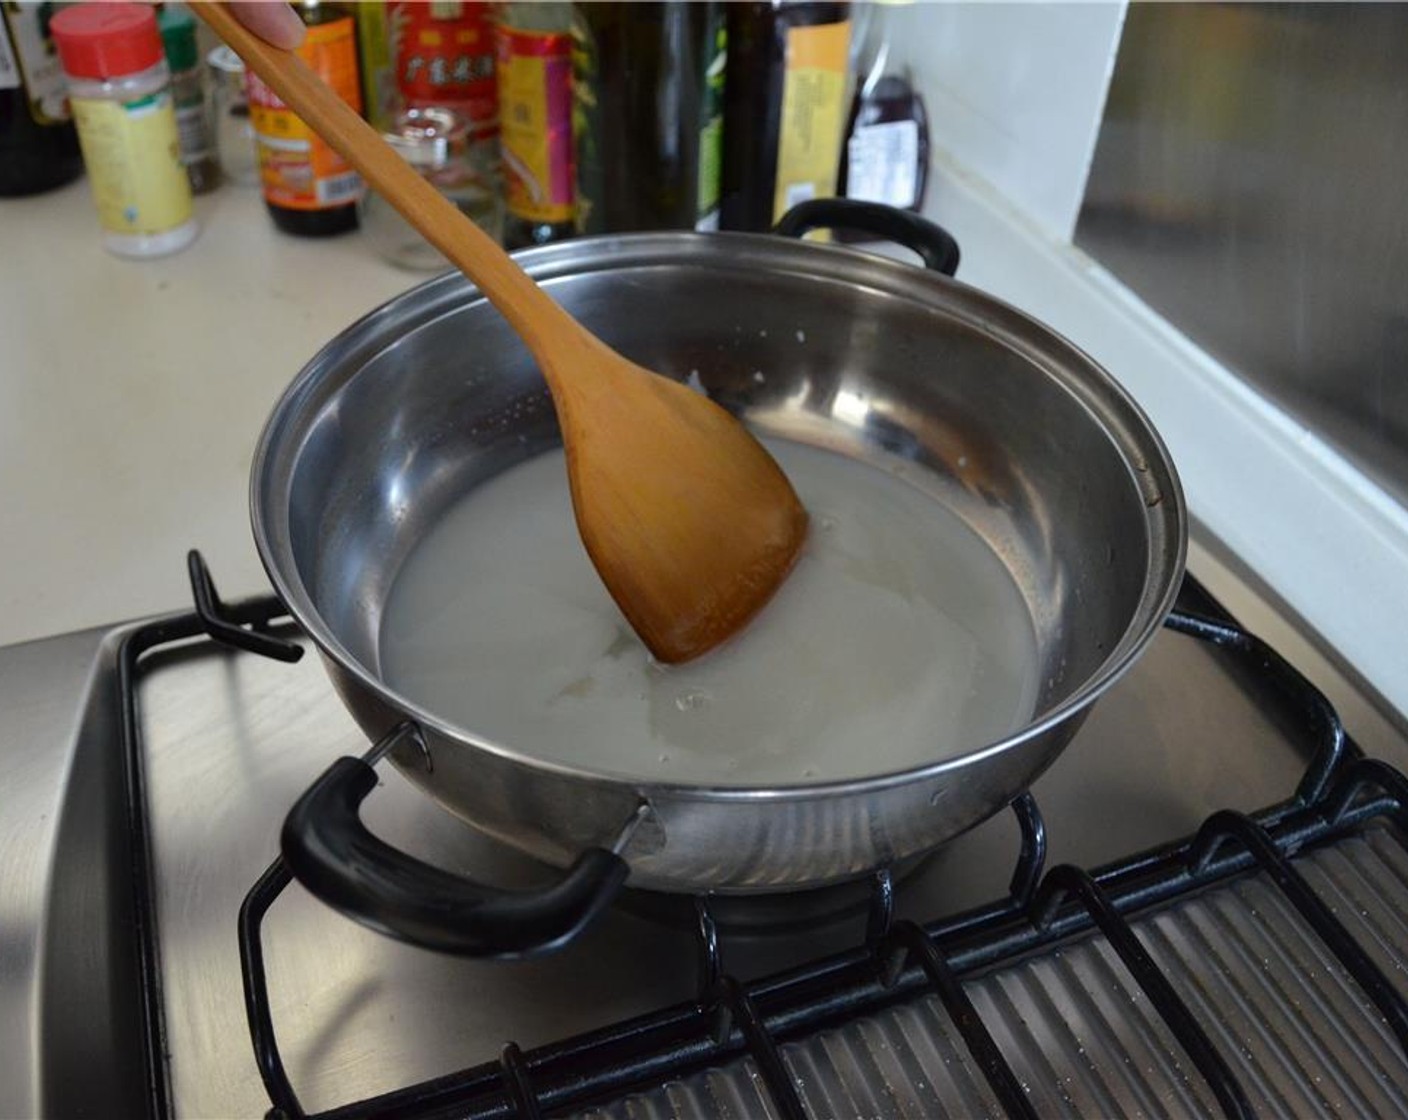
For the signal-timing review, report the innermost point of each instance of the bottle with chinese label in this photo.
(785, 100)
(649, 115)
(308, 188)
(534, 59)
(120, 91)
(886, 157)
(444, 54)
(38, 144)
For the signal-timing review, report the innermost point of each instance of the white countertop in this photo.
(132, 394)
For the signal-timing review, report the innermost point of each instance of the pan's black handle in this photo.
(934, 243)
(333, 854)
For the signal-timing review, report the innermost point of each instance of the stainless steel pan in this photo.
(1017, 431)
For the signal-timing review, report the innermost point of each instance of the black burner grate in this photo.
(1341, 797)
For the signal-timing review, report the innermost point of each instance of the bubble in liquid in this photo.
(692, 700)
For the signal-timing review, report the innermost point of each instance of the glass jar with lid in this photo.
(437, 143)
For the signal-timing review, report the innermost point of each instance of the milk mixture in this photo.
(899, 639)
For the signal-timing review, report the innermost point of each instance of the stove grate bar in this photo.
(908, 939)
(1070, 880)
(256, 997)
(733, 1004)
(221, 624)
(1227, 825)
(516, 1081)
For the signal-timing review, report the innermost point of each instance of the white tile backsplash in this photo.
(1015, 92)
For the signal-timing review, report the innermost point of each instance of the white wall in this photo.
(1015, 92)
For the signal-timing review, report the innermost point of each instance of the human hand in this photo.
(272, 20)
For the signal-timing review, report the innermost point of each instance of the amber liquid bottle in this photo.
(785, 107)
(309, 190)
(649, 81)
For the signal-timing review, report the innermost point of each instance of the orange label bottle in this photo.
(309, 189)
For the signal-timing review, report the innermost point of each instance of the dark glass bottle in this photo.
(785, 102)
(38, 143)
(310, 192)
(649, 115)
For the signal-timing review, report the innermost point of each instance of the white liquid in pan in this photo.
(899, 639)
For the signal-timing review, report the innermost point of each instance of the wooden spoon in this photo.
(691, 524)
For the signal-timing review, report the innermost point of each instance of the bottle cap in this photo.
(178, 36)
(226, 61)
(106, 40)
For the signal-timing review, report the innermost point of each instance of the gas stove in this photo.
(1201, 908)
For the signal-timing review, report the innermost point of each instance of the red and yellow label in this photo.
(445, 56)
(535, 107)
(299, 171)
(813, 114)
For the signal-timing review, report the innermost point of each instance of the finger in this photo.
(274, 22)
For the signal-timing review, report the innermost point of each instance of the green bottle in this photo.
(649, 81)
(786, 98)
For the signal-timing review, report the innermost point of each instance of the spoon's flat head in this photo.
(690, 522)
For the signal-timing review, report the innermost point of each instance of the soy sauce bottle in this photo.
(309, 189)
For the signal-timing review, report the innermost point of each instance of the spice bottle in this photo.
(178, 37)
(785, 99)
(535, 110)
(309, 189)
(38, 144)
(649, 91)
(120, 90)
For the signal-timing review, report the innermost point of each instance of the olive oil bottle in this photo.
(786, 96)
(649, 83)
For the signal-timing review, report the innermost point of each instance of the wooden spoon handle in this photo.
(530, 311)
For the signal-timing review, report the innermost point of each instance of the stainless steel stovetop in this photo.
(230, 740)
